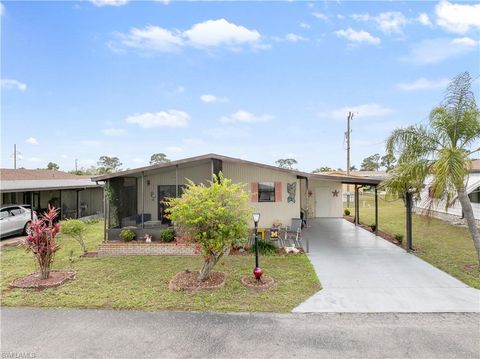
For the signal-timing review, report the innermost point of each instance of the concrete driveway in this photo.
(364, 273)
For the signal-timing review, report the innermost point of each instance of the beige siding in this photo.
(335, 205)
(197, 173)
(270, 212)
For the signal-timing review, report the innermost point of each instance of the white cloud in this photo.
(194, 141)
(245, 117)
(363, 111)
(358, 36)
(432, 51)
(424, 19)
(320, 16)
(229, 132)
(391, 22)
(2, 9)
(304, 25)
(361, 17)
(32, 141)
(109, 2)
(151, 38)
(13, 84)
(212, 98)
(210, 33)
(220, 32)
(341, 17)
(290, 37)
(466, 41)
(64, 156)
(423, 84)
(294, 37)
(458, 18)
(169, 118)
(115, 132)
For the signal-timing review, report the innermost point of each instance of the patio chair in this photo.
(293, 233)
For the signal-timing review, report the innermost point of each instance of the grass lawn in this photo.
(141, 282)
(446, 246)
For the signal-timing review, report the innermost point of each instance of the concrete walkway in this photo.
(360, 272)
(74, 333)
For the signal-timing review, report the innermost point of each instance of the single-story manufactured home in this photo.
(136, 196)
(454, 210)
(75, 196)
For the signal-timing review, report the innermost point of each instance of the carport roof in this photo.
(212, 156)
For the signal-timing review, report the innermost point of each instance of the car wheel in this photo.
(27, 230)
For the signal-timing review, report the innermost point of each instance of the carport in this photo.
(361, 272)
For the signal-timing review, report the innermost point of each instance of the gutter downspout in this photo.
(143, 200)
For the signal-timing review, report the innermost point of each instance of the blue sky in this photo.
(259, 81)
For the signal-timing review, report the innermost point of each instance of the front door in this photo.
(322, 202)
(164, 192)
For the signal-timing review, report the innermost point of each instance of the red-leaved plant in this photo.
(41, 240)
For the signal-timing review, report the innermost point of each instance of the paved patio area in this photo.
(364, 273)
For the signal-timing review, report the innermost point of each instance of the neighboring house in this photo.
(454, 212)
(278, 194)
(75, 196)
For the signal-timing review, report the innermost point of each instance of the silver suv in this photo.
(15, 219)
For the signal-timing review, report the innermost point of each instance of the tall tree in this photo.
(371, 163)
(442, 150)
(108, 164)
(158, 158)
(286, 163)
(53, 166)
(388, 161)
(323, 169)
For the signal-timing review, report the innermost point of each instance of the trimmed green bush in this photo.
(167, 235)
(127, 234)
(346, 212)
(264, 247)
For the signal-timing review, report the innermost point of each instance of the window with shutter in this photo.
(278, 191)
(254, 191)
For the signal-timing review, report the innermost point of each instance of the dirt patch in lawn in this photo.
(189, 281)
(264, 283)
(34, 281)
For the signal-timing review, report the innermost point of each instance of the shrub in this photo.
(93, 220)
(346, 212)
(127, 234)
(373, 227)
(213, 216)
(264, 247)
(41, 240)
(398, 237)
(167, 235)
(238, 243)
(75, 229)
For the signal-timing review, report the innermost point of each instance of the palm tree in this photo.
(442, 149)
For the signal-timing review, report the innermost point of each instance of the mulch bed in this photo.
(34, 281)
(189, 281)
(264, 283)
(90, 254)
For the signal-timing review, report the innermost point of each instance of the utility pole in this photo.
(347, 135)
(76, 169)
